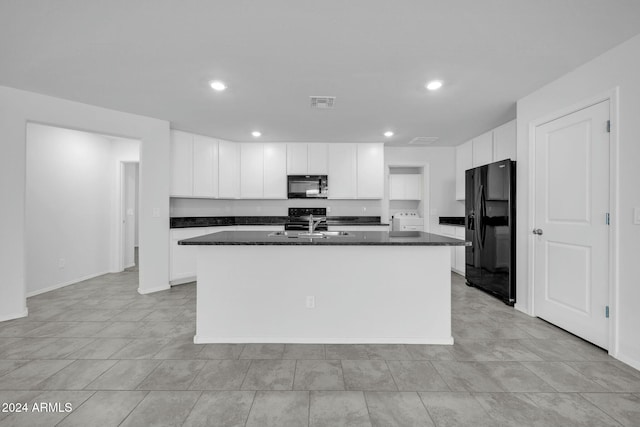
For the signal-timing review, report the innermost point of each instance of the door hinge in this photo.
(607, 218)
(609, 126)
(606, 311)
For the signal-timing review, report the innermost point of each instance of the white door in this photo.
(571, 257)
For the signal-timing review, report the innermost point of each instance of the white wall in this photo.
(209, 207)
(19, 107)
(442, 177)
(619, 67)
(68, 206)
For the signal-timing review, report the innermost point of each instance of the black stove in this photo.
(296, 219)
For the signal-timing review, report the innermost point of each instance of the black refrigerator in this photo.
(490, 226)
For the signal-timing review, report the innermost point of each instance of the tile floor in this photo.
(123, 359)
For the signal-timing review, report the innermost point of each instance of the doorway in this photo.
(571, 233)
(129, 215)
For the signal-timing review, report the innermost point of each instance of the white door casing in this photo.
(571, 203)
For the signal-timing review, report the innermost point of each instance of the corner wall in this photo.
(617, 68)
(19, 107)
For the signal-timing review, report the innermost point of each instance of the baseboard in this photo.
(152, 290)
(62, 285)
(197, 339)
(634, 363)
(521, 309)
(130, 265)
(6, 317)
(183, 280)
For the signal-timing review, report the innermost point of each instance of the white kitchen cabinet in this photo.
(297, 158)
(307, 159)
(405, 187)
(342, 176)
(205, 166)
(483, 149)
(251, 171)
(464, 161)
(504, 142)
(182, 263)
(317, 159)
(457, 252)
(229, 170)
(370, 171)
(275, 171)
(181, 164)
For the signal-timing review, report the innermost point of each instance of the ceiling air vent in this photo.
(322, 102)
(423, 140)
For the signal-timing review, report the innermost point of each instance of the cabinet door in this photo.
(483, 149)
(228, 170)
(464, 161)
(460, 264)
(370, 171)
(181, 164)
(413, 187)
(297, 158)
(275, 171)
(182, 264)
(504, 142)
(342, 177)
(251, 171)
(396, 187)
(205, 166)
(317, 159)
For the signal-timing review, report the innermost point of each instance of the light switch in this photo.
(636, 216)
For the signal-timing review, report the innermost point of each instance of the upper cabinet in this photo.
(464, 161)
(307, 159)
(251, 170)
(504, 142)
(229, 170)
(498, 144)
(405, 187)
(343, 176)
(205, 166)
(318, 159)
(181, 164)
(483, 149)
(275, 171)
(370, 171)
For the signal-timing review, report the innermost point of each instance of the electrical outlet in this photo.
(311, 301)
(61, 263)
(364, 209)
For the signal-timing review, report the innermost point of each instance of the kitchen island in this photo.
(359, 287)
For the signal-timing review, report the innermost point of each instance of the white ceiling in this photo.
(155, 58)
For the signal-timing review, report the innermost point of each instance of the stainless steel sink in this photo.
(313, 235)
(280, 234)
(336, 233)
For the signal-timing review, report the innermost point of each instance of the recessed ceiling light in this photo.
(256, 133)
(218, 86)
(388, 134)
(434, 85)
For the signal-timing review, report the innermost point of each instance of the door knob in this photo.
(537, 231)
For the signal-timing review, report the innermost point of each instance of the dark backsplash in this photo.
(451, 220)
(219, 221)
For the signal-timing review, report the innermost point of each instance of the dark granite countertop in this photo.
(355, 238)
(221, 221)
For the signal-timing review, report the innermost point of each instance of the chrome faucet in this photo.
(313, 222)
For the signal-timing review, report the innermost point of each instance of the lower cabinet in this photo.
(457, 252)
(182, 262)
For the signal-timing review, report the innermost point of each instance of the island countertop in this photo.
(354, 238)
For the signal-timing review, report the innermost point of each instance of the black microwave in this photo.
(307, 186)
